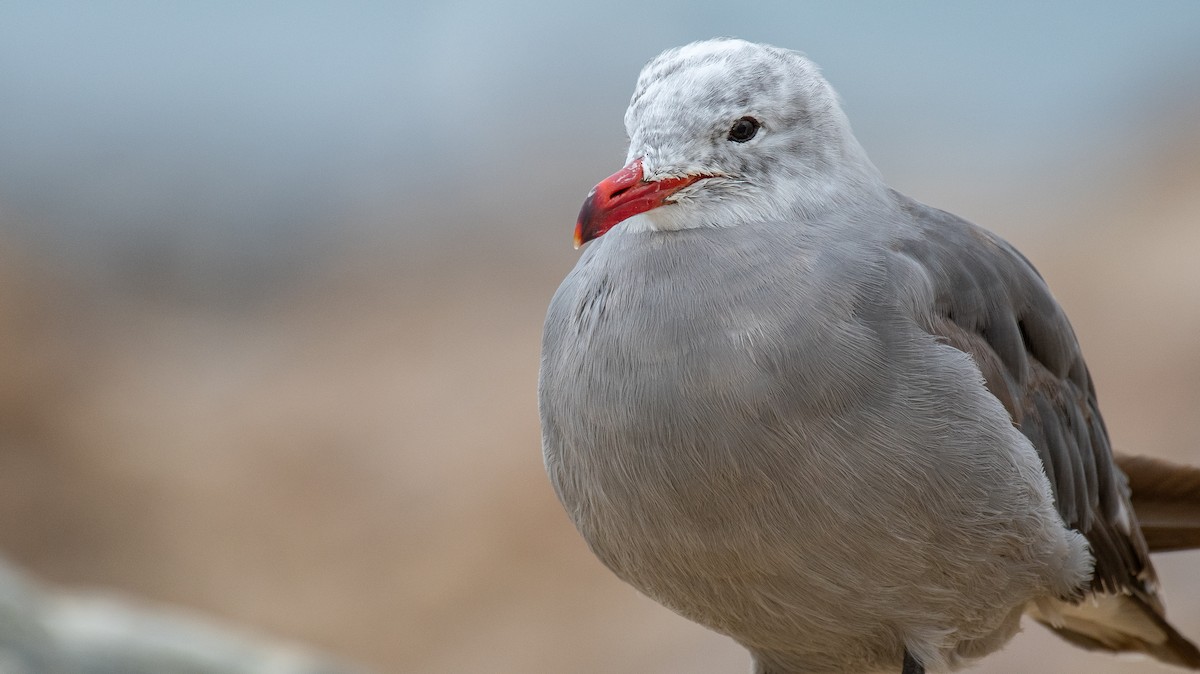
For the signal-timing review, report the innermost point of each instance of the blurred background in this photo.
(272, 278)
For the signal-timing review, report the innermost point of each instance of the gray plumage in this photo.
(808, 412)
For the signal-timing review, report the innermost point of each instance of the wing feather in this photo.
(985, 299)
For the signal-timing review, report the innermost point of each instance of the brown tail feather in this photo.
(1166, 502)
(1166, 499)
(1119, 623)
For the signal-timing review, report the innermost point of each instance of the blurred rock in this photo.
(48, 632)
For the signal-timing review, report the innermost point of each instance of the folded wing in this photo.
(984, 298)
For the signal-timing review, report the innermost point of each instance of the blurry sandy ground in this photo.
(352, 458)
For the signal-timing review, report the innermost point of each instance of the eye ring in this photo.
(744, 129)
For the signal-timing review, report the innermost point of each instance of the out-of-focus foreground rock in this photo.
(43, 632)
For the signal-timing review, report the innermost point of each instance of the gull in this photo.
(853, 432)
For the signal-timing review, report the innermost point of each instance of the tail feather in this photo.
(1166, 500)
(1119, 623)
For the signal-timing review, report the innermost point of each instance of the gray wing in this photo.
(990, 302)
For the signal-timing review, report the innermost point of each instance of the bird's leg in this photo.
(911, 666)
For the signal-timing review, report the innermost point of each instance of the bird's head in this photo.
(724, 132)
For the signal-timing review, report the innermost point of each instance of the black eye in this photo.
(743, 129)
